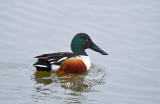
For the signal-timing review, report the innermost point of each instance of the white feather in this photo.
(51, 59)
(41, 66)
(55, 67)
(52, 62)
(62, 59)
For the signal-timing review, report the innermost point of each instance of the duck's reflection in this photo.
(42, 77)
(72, 82)
(49, 83)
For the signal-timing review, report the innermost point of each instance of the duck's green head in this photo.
(81, 42)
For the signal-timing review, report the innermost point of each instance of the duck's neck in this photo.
(79, 52)
(77, 49)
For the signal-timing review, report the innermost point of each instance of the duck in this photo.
(76, 62)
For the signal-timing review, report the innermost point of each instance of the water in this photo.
(126, 29)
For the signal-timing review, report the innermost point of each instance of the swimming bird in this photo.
(66, 62)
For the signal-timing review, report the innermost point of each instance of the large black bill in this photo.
(97, 49)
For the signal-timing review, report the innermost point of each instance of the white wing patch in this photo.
(52, 62)
(62, 59)
(55, 67)
(51, 59)
(41, 66)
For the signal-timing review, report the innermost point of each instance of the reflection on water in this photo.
(70, 86)
(41, 77)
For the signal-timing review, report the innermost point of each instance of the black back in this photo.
(45, 61)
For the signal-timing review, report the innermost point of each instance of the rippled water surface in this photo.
(129, 30)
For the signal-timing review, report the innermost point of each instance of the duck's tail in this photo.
(42, 65)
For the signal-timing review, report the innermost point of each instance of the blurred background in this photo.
(128, 30)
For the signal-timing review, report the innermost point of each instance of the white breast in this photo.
(86, 61)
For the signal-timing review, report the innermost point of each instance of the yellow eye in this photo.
(87, 40)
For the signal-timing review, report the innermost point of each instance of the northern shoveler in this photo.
(67, 62)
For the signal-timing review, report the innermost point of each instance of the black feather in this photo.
(51, 58)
